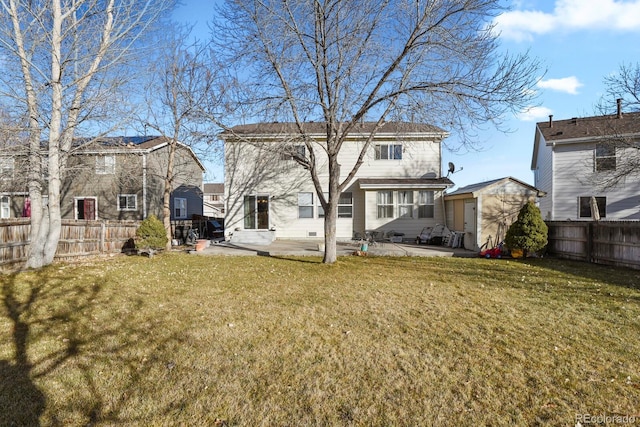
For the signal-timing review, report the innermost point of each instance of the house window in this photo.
(127, 202)
(585, 207)
(605, 157)
(305, 205)
(405, 204)
(385, 204)
(105, 165)
(214, 197)
(5, 207)
(293, 152)
(345, 206)
(6, 167)
(388, 151)
(256, 212)
(179, 208)
(425, 204)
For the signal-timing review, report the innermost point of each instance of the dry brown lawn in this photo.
(257, 341)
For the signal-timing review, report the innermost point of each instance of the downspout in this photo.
(144, 185)
(444, 210)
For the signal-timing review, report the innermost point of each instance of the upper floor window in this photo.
(293, 152)
(6, 167)
(105, 165)
(605, 157)
(388, 151)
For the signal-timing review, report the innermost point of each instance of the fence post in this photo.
(103, 232)
(590, 256)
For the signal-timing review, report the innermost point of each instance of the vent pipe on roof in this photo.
(550, 120)
(619, 102)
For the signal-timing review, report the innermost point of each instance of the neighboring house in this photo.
(484, 211)
(573, 159)
(122, 178)
(398, 187)
(13, 190)
(213, 200)
(13, 204)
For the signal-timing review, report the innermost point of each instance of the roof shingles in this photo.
(590, 127)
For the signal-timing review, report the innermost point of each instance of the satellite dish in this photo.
(452, 169)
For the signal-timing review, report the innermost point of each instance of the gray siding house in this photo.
(578, 159)
(121, 178)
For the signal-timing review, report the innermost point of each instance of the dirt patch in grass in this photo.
(197, 340)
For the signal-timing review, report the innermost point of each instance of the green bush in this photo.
(151, 234)
(529, 232)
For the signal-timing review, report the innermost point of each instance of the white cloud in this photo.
(571, 15)
(534, 114)
(567, 84)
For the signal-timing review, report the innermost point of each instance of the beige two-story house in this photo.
(398, 187)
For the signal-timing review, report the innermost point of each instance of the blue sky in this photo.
(578, 42)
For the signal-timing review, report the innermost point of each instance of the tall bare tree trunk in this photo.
(38, 230)
(331, 212)
(55, 125)
(166, 195)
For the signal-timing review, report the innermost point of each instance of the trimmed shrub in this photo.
(529, 232)
(151, 234)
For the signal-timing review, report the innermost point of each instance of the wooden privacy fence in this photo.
(77, 239)
(600, 242)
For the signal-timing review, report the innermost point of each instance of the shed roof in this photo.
(472, 189)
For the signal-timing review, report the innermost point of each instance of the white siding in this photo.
(543, 178)
(258, 170)
(411, 227)
(574, 177)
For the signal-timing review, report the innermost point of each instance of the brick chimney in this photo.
(619, 102)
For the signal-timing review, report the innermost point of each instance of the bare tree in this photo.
(184, 101)
(340, 62)
(617, 112)
(623, 85)
(69, 57)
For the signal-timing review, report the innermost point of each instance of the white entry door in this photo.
(470, 224)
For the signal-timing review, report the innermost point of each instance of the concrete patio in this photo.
(311, 248)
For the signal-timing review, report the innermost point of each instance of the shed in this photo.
(484, 211)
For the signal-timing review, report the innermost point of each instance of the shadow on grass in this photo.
(54, 332)
(21, 402)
